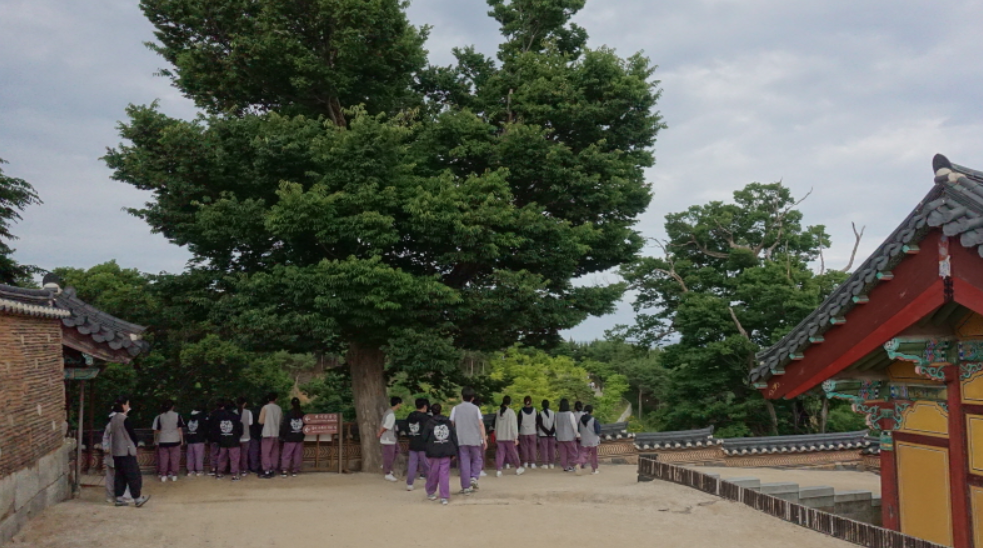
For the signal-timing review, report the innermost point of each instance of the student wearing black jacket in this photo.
(227, 429)
(415, 425)
(440, 442)
(213, 448)
(195, 436)
(292, 435)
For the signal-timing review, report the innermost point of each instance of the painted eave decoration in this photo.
(954, 204)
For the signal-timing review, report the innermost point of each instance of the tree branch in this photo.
(737, 322)
(856, 244)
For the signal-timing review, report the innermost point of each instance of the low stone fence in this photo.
(863, 534)
(26, 492)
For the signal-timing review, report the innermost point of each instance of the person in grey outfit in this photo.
(124, 449)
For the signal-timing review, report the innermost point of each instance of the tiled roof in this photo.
(955, 203)
(101, 327)
(615, 431)
(795, 444)
(682, 439)
(29, 302)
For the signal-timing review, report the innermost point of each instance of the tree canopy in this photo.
(733, 278)
(15, 195)
(339, 195)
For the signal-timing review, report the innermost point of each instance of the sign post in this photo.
(316, 424)
(80, 374)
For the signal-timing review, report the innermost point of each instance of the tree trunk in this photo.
(774, 417)
(824, 416)
(367, 364)
(640, 404)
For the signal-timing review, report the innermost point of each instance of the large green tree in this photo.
(733, 278)
(393, 212)
(15, 195)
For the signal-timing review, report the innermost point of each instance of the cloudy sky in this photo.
(850, 99)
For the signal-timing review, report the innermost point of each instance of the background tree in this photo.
(336, 208)
(15, 196)
(733, 278)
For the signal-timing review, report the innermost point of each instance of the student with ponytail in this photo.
(506, 435)
(292, 434)
(590, 438)
(527, 433)
(566, 436)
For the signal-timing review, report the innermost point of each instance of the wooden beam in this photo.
(918, 307)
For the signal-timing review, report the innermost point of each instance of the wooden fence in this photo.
(859, 533)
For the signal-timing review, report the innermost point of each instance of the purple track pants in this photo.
(168, 460)
(389, 453)
(270, 453)
(547, 450)
(469, 461)
(244, 457)
(418, 460)
(292, 456)
(568, 454)
(506, 452)
(527, 446)
(229, 456)
(588, 455)
(195, 459)
(440, 474)
(213, 456)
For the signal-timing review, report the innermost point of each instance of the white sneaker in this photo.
(173, 478)
(390, 477)
(519, 471)
(508, 466)
(482, 474)
(596, 472)
(198, 474)
(444, 502)
(551, 467)
(533, 466)
(190, 474)
(498, 474)
(409, 487)
(163, 479)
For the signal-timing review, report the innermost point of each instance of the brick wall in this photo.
(32, 390)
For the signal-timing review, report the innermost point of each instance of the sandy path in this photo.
(841, 480)
(540, 509)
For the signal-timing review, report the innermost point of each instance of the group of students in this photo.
(435, 440)
(237, 441)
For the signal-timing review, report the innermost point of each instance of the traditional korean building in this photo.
(41, 330)
(902, 339)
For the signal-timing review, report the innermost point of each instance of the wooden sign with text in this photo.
(322, 423)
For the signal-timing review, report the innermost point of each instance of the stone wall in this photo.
(25, 493)
(810, 514)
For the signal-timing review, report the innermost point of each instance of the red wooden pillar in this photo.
(962, 519)
(890, 504)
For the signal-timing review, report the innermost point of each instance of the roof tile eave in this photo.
(911, 230)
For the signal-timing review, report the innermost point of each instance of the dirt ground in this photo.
(540, 509)
(841, 480)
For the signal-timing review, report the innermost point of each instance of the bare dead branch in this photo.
(672, 266)
(856, 244)
(740, 328)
